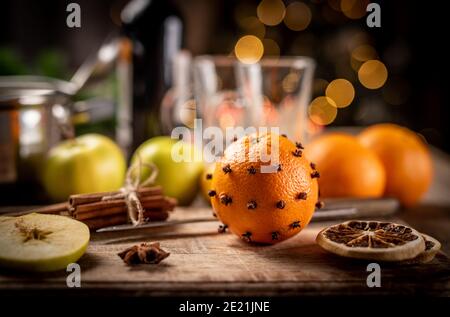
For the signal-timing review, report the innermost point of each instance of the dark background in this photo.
(411, 43)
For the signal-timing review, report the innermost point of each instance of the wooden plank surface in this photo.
(203, 262)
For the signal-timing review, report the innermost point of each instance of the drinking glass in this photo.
(274, 92)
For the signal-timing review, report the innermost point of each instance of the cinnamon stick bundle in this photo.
(96, 212)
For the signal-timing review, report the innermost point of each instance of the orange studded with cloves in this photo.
(261, 206)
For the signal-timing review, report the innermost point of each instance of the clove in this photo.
(226, 169)
(251, 170)
(275, 235)
(281, 204)
(251, 204)
(222, 228)
(297, 153)
(225, 199)
(302, 196)
(247, 236)
(315, 174)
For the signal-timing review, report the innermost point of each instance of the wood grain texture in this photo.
(203, 262)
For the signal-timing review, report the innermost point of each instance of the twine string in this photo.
(129, 191)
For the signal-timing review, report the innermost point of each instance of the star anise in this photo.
(144, 253)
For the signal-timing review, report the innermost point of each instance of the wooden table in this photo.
(204, 263)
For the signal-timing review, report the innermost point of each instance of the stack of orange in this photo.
(383, 160)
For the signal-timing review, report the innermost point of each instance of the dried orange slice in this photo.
(372, 240)
(432, 247)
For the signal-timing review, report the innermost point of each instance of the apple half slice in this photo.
(39, 243)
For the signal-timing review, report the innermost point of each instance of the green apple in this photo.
(87, 164)
(39, 243)
(178, 178)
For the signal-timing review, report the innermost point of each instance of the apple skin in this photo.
(87, 164)
(179, 180)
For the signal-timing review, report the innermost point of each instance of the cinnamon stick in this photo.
(96, 223)
(109, 211)
(151, 215)
(147, 202)
(81, 199)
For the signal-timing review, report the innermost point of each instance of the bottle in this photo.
(155, 29)
(178, 107)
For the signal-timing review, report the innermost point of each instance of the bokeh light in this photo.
(341, 91)
(322, 110)
(372, 74)
(271, 48)
(354, 9)
(249, 49)
(271, 12)
(357, 38)
(298, 16)
(362, 54)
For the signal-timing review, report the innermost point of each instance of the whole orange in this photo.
(259, 205)
(405, 157)
(347, 168)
